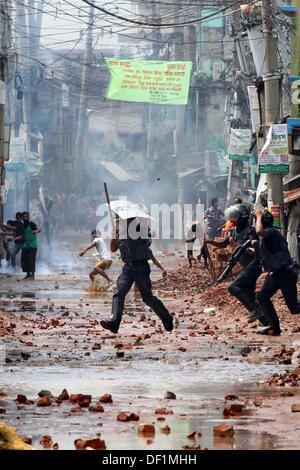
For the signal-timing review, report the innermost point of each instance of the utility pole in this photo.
(22, 45)
(2, 105)
(294, 160)
(272, 97)
(180, 122)
(235, 171)
(181, 53)
(154, 117)
(29, 19)
(82, 117)
(35, 12)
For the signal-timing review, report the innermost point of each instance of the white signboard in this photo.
(17, 149)
(274, 157)
(239, 144)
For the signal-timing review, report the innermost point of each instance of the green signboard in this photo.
(274, 168)
(147, 81)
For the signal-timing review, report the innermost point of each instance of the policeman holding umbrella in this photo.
(132, 238)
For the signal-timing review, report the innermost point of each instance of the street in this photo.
(149, 230)
(53, 341)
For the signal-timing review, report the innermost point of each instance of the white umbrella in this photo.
(129, 210)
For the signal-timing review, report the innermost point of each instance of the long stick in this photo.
(108, 203)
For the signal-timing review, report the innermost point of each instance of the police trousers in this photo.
(285, 280)
(140, 274)
(244, 286)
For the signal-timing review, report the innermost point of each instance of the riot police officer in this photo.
(244, 286)
(282, 272)
(133, 239)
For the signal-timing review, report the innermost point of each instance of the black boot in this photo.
(168, 323)
(257, 315)
(255, 312)
(158, 307)
(109, 325)
(271, 317)
(116, 314)
(269, 331)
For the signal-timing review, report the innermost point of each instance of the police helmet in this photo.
(237, 213)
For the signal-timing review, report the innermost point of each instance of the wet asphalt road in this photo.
(73, 352)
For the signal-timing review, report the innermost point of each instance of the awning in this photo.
(191, 172)
(291, 195)
(290, 179)
(118, 172)
(218, 179)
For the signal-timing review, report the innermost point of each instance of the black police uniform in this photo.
(244, 286)
(278, 263)
(135, 253)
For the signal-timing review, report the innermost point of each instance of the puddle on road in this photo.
(52, 302)
(199, 379)
(44, 294)
(43, 301)
(138, 388)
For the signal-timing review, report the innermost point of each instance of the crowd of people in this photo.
(20, 235)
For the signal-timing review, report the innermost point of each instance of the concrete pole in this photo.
(35, 14)
(294, 160)
(2, 101)
(83, 105)
(182, 37)
(22, 45)
(151, 149)
(235, 170)
(272, 96)
(180, 122)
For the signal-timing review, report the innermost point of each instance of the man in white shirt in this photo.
(104, 257)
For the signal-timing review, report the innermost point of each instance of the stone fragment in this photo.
(146, 429)
(170, 396)
(106, 398)
(295, 408)
(44, 401)
(223, 430)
